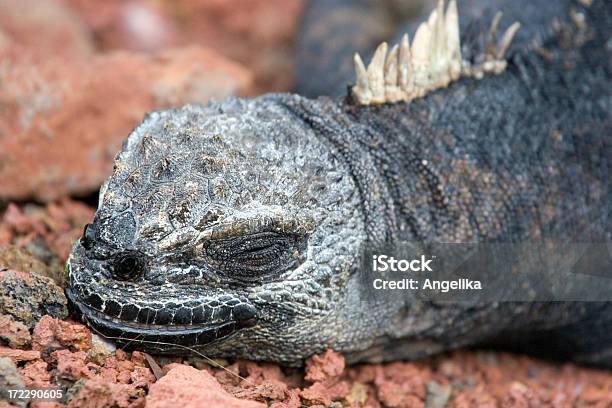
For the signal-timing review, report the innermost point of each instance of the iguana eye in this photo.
(128, 266)
(254, 255)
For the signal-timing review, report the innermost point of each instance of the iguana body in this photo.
(236, 228)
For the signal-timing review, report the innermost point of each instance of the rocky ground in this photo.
(75, 77)
(41, 347)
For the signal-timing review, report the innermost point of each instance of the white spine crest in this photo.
(432, 61)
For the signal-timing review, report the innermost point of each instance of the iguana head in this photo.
(230, 228)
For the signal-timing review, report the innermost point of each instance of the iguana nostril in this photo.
(89, 236)
(128, 266)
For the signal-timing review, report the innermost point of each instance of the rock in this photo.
(43, 336)
(520, 396)
(357, 395)
(54, 333)
(264, 382)
(71, 366)
(292, 400)
(20, 259)
(19, 355)
(323, 393)
(15, 334)
(46, 28)
(133, 25)
(317, 394)
(324, 366)
(98, 393)
(47, 404)
(188, 387)
(477, 397)
(9, 378)
(73, 335)
(35, 374)
(437, 395)
(142, 26)
(46, 232)
(402, 384)
(62, 124)
(137, 358)
(142, 377)
(27, 297)
(100, 349)
(195, 75)
(257, 33)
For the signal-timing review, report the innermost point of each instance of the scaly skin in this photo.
(236, 228)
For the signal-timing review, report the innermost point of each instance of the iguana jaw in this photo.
(207, 318)
(157, 338)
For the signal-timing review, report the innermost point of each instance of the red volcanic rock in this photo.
(324, 366)
(53, 333)
(263, 382)
(71, 366)
(142, 377)
(35, 374)
(44, 334)
(520, 396)
(74, 335)
(48, 231)
(323, 393)
(186, 386)
(256, 33)
(317, 394)
(401, 384)
(475, 397)
(15, 334)
(44, 27)
(62, 123)
(19, 355)
(98, 393)
(46, 404)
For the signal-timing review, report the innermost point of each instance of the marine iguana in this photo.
(236, 228)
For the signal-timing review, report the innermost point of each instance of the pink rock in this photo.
(317, 394)
(44, 334)
(19, 355)
(45, 27)
(142, 377)
(74, 335)
(399, 382)
(55, 227)
(256, 33)
(138, 359)
(71, 366)
(35, 374)
(324, 366)
(185, 386)
(264, 382)
(46, 404)
(50, 332)
(292, 401)
(98, 393)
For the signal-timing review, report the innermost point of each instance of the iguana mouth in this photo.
(158, 338)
